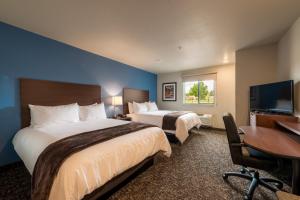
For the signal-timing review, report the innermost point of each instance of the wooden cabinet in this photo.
(269, 120)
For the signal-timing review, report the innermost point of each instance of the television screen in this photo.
(274, 97)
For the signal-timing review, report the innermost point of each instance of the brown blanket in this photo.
(169, 120)
(50, 160)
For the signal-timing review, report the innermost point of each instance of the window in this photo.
(201, 91)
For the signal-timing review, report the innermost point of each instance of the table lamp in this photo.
(116, 101)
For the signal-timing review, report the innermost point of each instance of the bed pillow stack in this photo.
(130, 108)
(45, 115)
(139, 107)
(152, 106)
(92, 112)
(142, 107)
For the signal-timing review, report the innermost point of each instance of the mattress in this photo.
(183, 124)
(89, 169)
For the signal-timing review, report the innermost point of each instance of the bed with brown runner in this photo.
(79, 159)
(176, 124)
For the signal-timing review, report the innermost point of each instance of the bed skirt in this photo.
(112, 186)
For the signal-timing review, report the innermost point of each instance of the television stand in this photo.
(269, 120)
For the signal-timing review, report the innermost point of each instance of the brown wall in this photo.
(254, 66)
(289, 60)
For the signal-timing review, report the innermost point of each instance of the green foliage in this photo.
(205, 96)
(193, 90)
(203, 91)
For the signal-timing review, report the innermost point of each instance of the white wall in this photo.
(257, 65)
(289, 60)
(225, 92)
(253, 66)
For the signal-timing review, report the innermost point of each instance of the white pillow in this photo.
(139, 107)
(130, 108)
(92, 112)
(43, 115)
(152, 106)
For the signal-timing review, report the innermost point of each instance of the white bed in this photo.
(89, 169)
(183, 124)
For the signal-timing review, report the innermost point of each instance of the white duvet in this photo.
(183, 124)
(89, 169)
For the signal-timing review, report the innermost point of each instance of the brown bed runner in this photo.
(169, 120)
(50, 160)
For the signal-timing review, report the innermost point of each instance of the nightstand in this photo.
(123, 118)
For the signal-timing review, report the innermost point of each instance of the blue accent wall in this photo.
(28, 55)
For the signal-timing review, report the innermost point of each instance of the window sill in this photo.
(200, 104)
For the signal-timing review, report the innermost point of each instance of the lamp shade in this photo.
(117, 101)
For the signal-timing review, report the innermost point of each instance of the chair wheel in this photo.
(279, 185)
(225, 176)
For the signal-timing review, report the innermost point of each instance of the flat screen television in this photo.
(273, 97)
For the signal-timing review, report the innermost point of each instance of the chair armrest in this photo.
(237, 144)
(240, 131)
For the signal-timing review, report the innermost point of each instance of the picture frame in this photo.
(169, 91)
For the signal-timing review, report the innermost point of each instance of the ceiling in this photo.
(156, 35)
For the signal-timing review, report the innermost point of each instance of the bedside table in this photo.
(122, 118)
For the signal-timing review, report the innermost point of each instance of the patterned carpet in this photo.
(194, 171)
(15, 183)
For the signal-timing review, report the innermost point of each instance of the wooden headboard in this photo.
(52, 93)
(130, 95)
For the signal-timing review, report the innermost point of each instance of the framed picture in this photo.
(169, 91)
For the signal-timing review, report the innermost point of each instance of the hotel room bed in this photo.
(92, 171)
(89, 169)
(185, 120)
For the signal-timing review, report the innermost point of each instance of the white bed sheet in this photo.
(90, 168)
(183, 124)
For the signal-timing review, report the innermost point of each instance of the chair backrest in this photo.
(233, 139)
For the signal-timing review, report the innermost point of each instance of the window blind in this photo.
(199, 77)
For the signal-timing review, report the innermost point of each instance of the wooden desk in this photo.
(269, 120)
(276, 143)
(291, 126)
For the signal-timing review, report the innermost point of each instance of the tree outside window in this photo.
(199, 92)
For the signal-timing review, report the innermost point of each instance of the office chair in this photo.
(241, 156)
